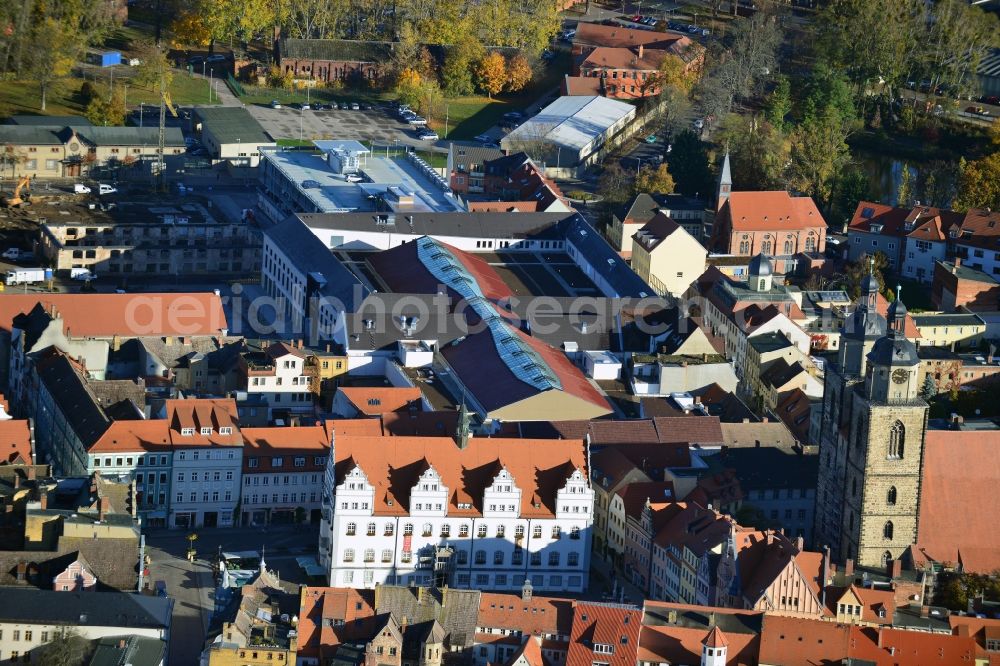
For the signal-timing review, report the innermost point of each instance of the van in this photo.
(80, 188)
(106, 189)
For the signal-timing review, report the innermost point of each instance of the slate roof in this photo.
(125, 649)
(455, 610)
(70, 391)
(310, 255)
(606, 262)
(84, 609)
(229, 124)
(346, 50)
(462, 224)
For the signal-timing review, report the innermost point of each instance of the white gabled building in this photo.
(278, 375)
(484, 513)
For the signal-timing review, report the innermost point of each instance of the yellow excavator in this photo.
(17, 200)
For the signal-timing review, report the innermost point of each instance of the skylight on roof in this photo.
(867, 212)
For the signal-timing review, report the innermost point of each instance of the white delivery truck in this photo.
(81, 274)
(26, 276)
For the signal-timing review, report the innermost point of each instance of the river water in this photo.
(885, 173)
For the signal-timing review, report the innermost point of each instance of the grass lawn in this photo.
(293, 143)
(265, 95)
(63, 99)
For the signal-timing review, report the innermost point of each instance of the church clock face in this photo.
(900, 376)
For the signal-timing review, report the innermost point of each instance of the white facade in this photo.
(283, 387)
(267, 494)
(987, 261)
(206, 485)
(399, 232)
(495, 550)
(918, 262)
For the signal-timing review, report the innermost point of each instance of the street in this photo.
(192, 585)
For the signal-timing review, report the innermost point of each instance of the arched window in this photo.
(810, 244)
(887, 530)
(765, 247)
(744, 248)
(886, 558)
(897, 439)
(891, 496)
(788, 247)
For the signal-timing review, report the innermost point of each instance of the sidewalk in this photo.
(599, 565)
(224, 96)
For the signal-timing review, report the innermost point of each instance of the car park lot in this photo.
(378, 125)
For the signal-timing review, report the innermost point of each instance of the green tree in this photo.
(929, 389)
(904, 196)
(818, 154)
(758, 150)
(518, 73)
(456, 74)
(106, 109)
(52, 59)
(856, 271)
(979, 183)
(852, 187)
(779, 104)
(654, 180)
(688, 162)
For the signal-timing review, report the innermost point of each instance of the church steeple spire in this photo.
(725, 187)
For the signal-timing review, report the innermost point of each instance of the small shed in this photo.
(109, 58)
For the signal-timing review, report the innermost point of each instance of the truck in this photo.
(27, 275)
(81, 274)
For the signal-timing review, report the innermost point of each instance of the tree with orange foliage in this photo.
(491, 73)
(518, 73)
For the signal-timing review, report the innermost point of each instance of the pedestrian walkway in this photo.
(614, 582)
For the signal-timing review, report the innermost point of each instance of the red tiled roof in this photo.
(792, 641)
(203, 413)
(503, 206)
(610, 466)
(582, 85)
(420, 423)
(606, 624)
(126, 315)
(393, 465)
(595, 34)
(793, 409)
(380, 399)
(772, 211)
(984, 228)
(15, 442)
(634, 496)
(716, 639)
(138, 436)
(323, 607)
(960, 472)
(353, 427)
(625, 58)
(689, 429)
(898, 647)
(535, 617)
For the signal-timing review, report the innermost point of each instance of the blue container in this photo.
(48, 274)
(109, 58)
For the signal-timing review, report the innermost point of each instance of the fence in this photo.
(235, 86)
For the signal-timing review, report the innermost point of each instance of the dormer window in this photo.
(277, 462)
(206, 431)
(187, 432)
(225, 430)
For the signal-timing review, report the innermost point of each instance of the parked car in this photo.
(106, 189)
(196, 60)
(306, 107)
(353, 178)
(355, 106)
(652, 138)
(482, 138)
(80, 188)
(977, 110)
(295, 105)
(368, 107)
(81, 274)
(990, 99)
(310, 184)
(216, 57)
(548, 55)
(417, 121)
(427, 135)
(11, 253)
(513, 116)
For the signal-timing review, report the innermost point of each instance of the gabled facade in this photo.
(483, 513)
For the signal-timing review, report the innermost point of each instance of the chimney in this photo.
(444, 596)
(672, 616)
(31, 472)
(849, 568)
(640, 51)
(17, 481)
(44, 500)
(989, 355)
(121, 643)
(104, 508)
(925, 611)
(800, 544)
(958, 263)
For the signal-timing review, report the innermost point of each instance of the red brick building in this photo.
(328, 60)
(772, 223)
(957, 286)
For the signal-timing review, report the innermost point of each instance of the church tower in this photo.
(725, 187)
(872, 445)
